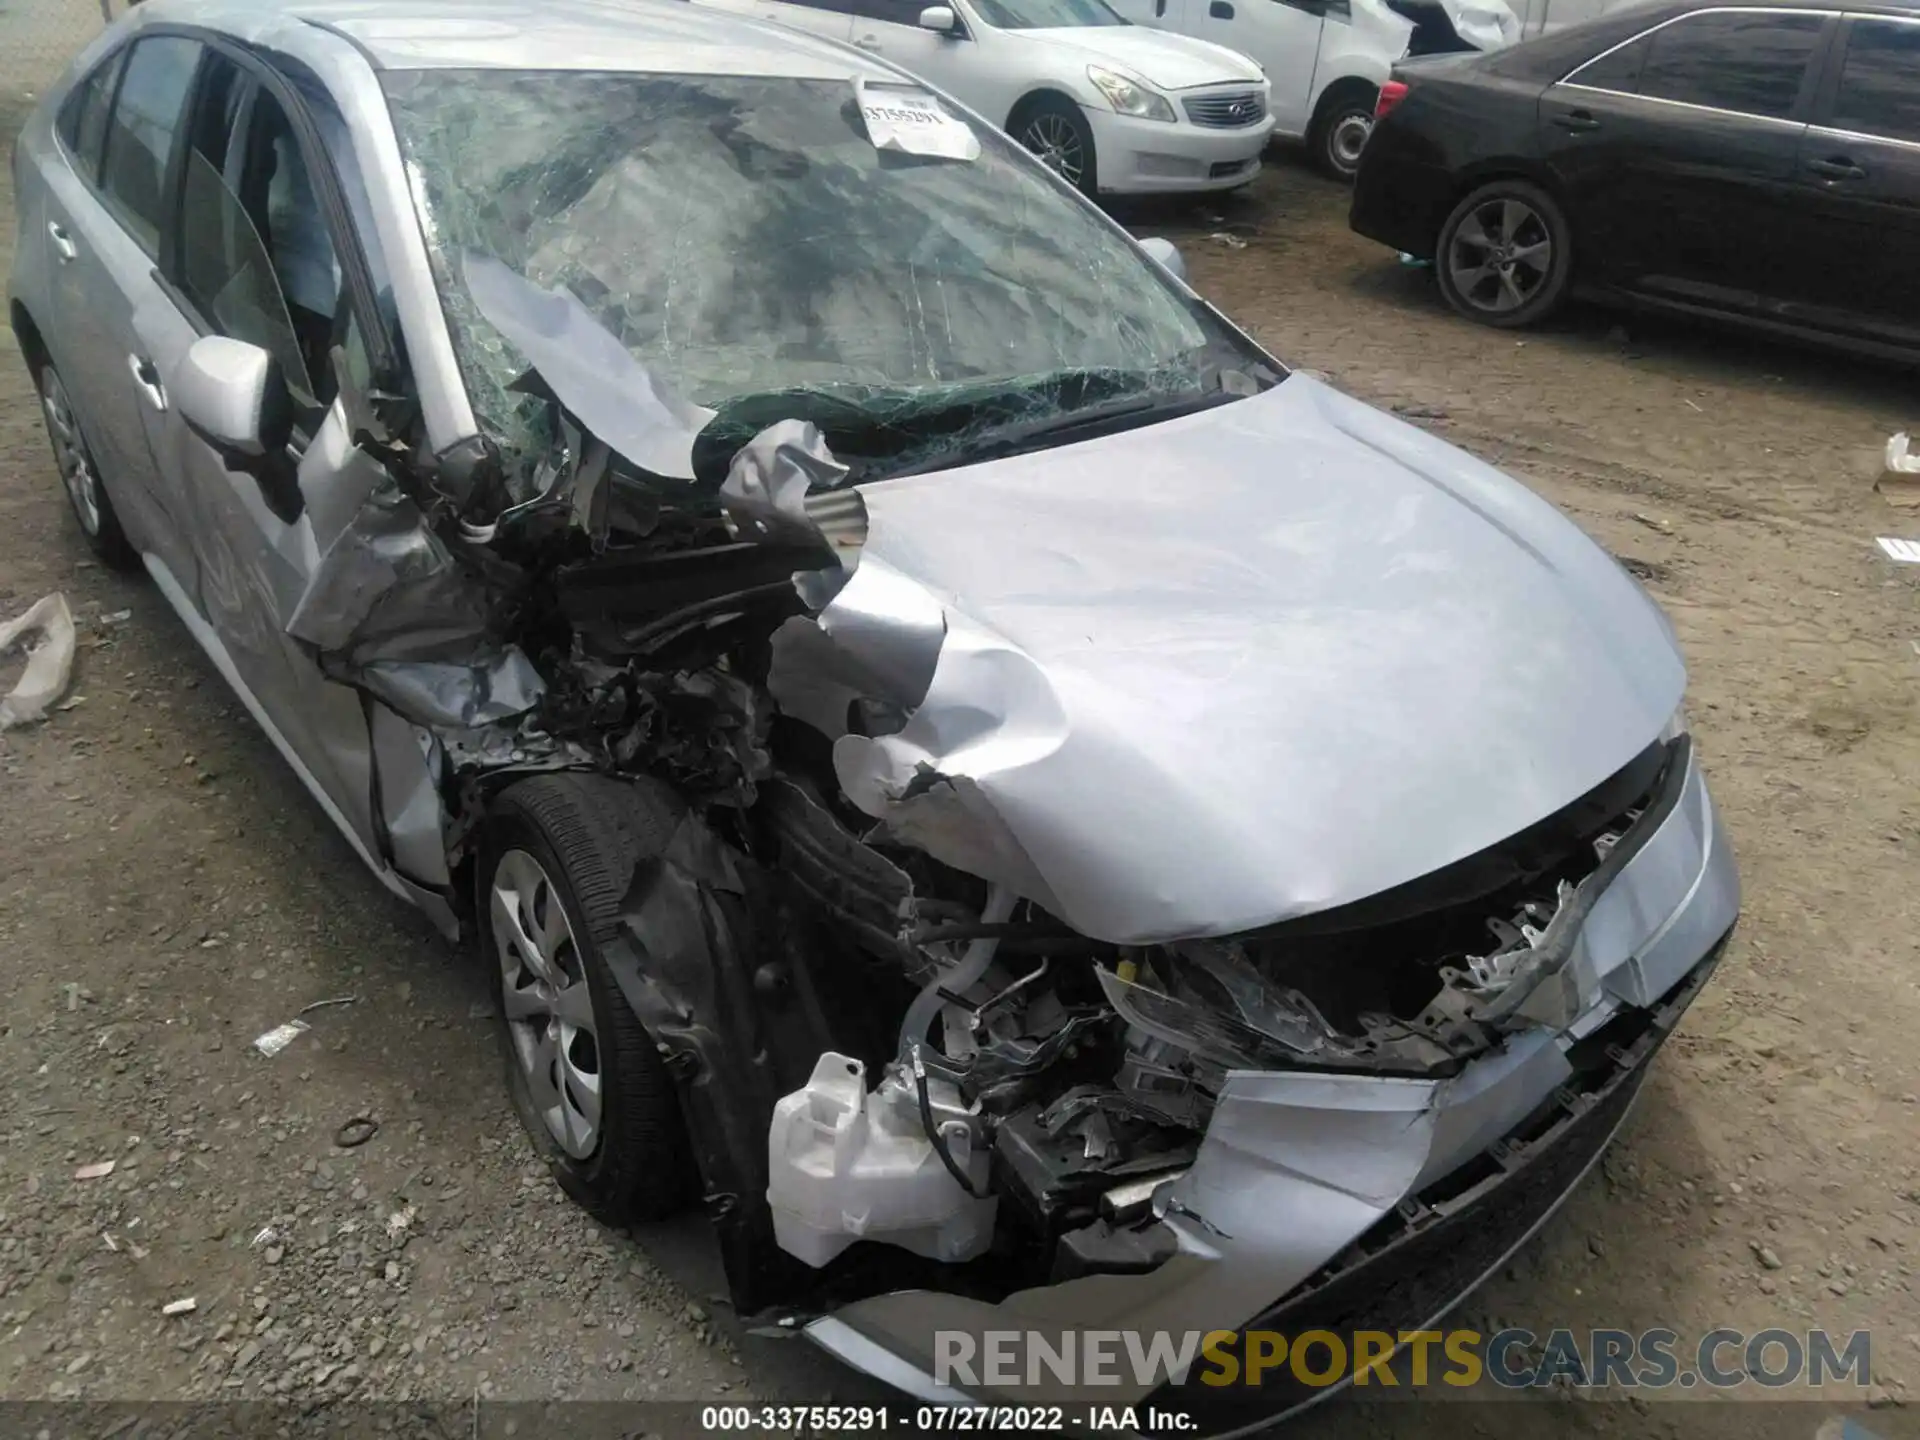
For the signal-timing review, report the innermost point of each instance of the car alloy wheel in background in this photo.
(1504, 257)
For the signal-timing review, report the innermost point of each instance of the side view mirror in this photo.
(1167, 256)
(234, 396)
(939, 18)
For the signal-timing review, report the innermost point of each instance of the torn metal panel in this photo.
(391, 611)
(587, 369)
(1178, 685)
(877, 641)
(453, 695)
(407, 763)
(1293, 1168)
(767, 485)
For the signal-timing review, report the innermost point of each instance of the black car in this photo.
(1759, 162)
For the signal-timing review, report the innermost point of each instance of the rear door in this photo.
(1860, 184)
(104, 214)
(1677, 154)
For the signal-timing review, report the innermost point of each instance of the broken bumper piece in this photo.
(1351, 1201)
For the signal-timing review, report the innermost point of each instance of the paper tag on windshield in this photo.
(911, 122)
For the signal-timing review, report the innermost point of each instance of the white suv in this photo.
(1113, 107)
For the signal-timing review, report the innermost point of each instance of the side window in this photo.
(83, 119)
(1745, 61)
(140, 134)
(255, 256)
(1617, 70)
(1877, 83)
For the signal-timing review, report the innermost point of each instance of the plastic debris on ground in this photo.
(1907, 552)
(180, 1307)
(278, 1038)
(1226, 238)
(99, 1170)
(49, 660)
(1899, 479)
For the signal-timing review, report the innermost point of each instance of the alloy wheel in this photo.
(70, 452)
(545, 1002)
(1500, 256)
(1053, 138)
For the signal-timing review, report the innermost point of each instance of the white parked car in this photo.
(1326, 59)
(1112, 107)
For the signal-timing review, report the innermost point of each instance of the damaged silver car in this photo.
(954, 758)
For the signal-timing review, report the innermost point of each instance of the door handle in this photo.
(1577, 121)
(148, 379)
(868, 42)
(1220, 10)
(1837, 167)
(63, 245)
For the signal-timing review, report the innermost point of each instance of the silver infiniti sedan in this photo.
(952, 756)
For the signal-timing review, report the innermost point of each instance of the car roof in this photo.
(647, 36)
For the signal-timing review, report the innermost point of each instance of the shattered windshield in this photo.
(1045, 14)
(746, 241)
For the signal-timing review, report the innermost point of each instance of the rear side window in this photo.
(1618, 70)
(83, 119)
(140, 135)
(1878, 94)
(1749, 62)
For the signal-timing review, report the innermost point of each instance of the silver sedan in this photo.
(1048, 821)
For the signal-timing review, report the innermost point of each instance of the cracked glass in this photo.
(743, 239)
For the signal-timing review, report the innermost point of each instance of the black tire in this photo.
(588, 833)
(1053, 128)
(1528, 255)
(1340, 128)
(80, 476)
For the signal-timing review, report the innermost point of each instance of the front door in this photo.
(891, 29)
(1859, 273)
(1676, 150)
(253, 258)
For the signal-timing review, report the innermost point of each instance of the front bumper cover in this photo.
(1331, 1201)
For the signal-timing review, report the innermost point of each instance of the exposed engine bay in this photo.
(891, 1037)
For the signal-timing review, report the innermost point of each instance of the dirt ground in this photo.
(168, 891)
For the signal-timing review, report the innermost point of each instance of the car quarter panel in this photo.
(1458, 126)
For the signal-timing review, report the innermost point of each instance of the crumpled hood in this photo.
(1162, 59)
(1239, 666)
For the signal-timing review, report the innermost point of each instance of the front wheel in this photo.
(584, 1074)
(1339, 131)
(1505, 255)
(1056, 131)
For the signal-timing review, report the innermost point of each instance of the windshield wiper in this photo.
(1123, 413)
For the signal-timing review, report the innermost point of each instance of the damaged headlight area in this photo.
(1047, 1088)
